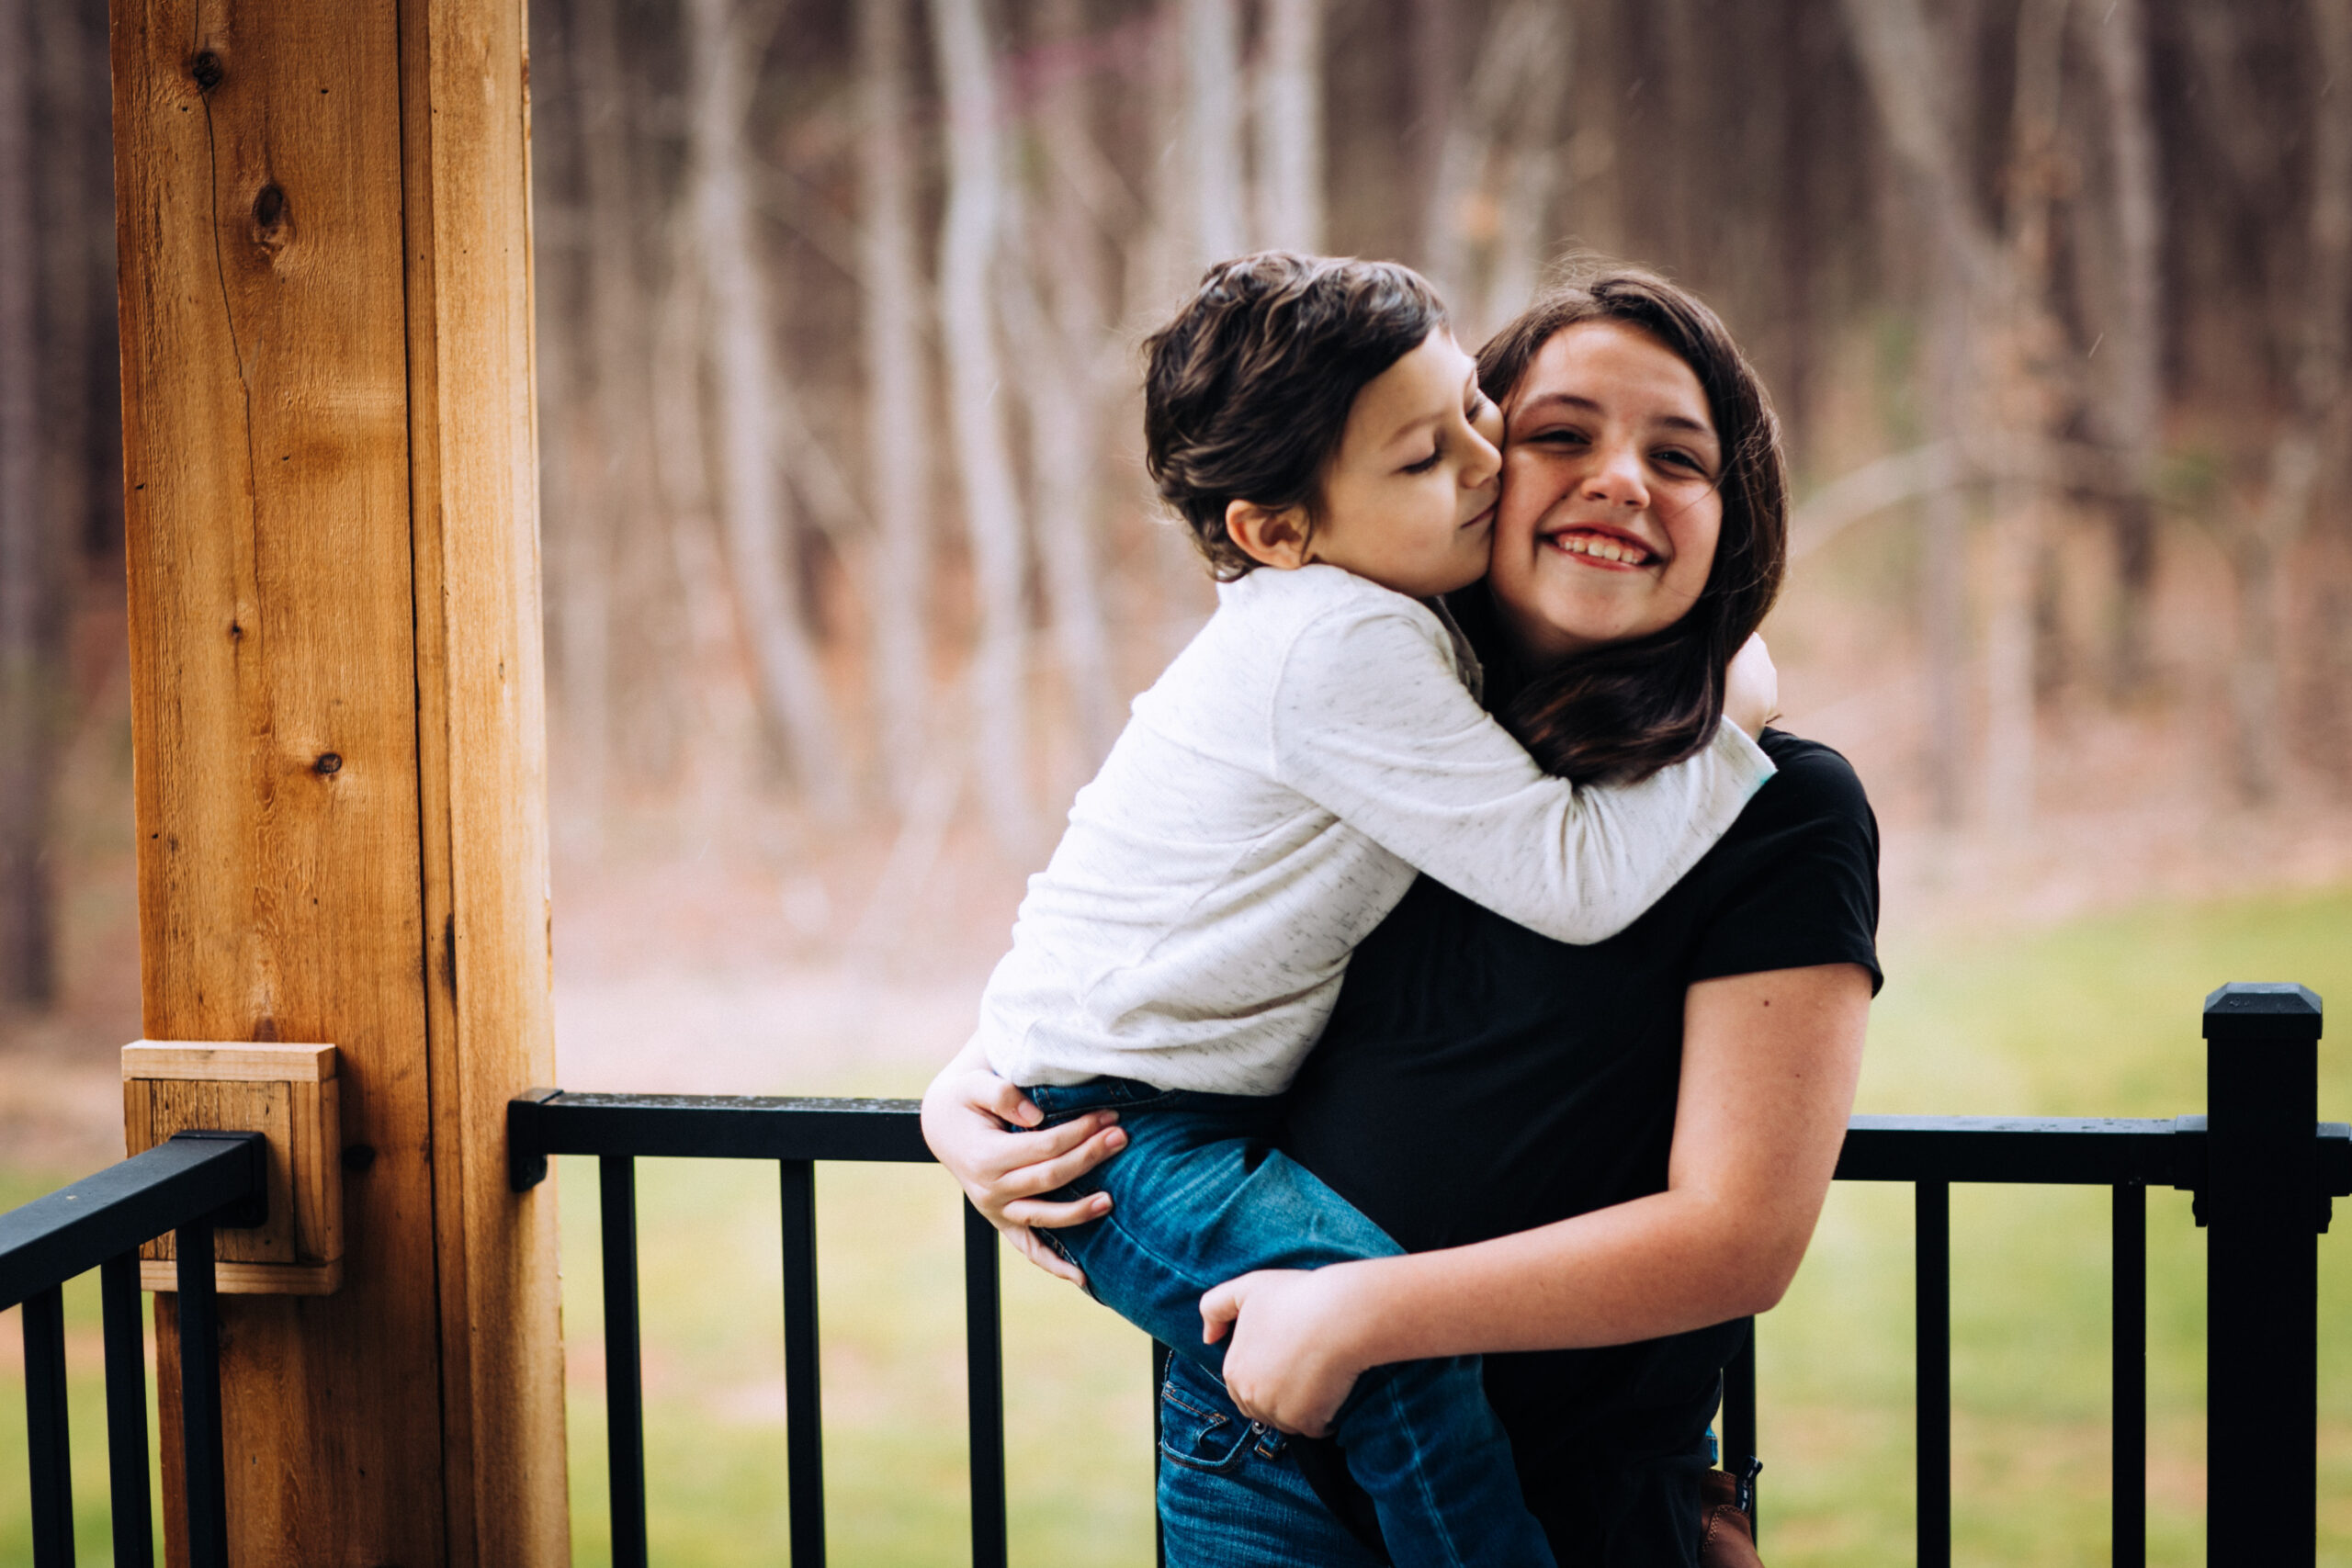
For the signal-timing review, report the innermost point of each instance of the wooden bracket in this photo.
(286, 1093)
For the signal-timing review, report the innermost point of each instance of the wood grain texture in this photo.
(325, 265)
(161, 1276)
(226, 1060)
(288, 1093)
(482, 729)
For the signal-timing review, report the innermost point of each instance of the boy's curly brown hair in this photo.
(1246, 391)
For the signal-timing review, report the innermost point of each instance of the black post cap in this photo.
(2261, 1009)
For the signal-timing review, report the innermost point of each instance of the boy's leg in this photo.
(1200, 1196)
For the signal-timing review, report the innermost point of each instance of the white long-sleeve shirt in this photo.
(1270, 800)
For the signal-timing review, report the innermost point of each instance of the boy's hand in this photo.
(974, 1121)
(1752, 688)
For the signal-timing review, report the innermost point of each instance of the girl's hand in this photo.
(1290, 1364)
(971, 1120)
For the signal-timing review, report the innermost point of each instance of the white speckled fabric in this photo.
(1269, 802)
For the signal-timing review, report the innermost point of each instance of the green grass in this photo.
(2096, 1017)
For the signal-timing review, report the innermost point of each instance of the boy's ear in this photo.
(1268, 536)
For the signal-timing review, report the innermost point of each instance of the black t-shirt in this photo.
(1478, 1079)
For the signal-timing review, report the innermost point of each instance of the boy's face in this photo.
(1410, 499)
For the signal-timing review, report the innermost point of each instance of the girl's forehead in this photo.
(1616, 366)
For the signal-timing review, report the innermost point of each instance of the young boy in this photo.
(1273, 798)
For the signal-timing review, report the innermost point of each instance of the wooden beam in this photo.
(340, 758)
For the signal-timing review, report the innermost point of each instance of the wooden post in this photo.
(339, 741)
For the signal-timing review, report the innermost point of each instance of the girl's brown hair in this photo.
(1246, 391)
(1627, 710)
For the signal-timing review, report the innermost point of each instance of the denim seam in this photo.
(1421, 1475)
(1167, 1392)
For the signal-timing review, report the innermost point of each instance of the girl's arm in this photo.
(1769, 1066)
(971, 1120)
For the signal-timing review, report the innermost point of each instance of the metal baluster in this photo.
(1739, 1440)
(624, 1378)
(204, 1468)
(125, 1310)
(1933, 1241)
(1160, 1356)
(2131, 1336)
(803, 1408)
(46, 1435)
(984, 1372)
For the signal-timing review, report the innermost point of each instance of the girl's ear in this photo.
(1268, 536)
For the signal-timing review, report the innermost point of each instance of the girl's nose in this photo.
(1616, 478)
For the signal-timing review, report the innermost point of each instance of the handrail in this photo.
(190, 1176)
(188, 1185)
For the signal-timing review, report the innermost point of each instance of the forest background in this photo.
(849, 565)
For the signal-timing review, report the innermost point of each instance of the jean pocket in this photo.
(1199, 1430)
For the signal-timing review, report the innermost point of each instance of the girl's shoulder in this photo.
(1813, 780)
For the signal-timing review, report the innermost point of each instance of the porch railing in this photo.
(2263, 1172)
(193, 1184)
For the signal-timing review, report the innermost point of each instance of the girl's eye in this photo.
(1675, 458)
(1426, 463)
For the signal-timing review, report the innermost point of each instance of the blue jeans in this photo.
(1201, 1195)
(1231, 1500)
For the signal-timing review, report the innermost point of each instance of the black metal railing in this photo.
(2263, 1169)
(192, 1185)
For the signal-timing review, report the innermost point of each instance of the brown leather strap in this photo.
(1727, 1539)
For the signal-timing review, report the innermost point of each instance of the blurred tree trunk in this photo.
(1943, 561)
(1496, 166)
(2130, 371)
(615, 532)
(1062, 293)
(1213, 105)
(577, 566)
(1523, 227)
(966, 315)
(762, 541)
(1289, 122)
(2310, 445)
(2003, 412)
(1428, 75)
(29, 578)
(898, 404)
(729, 710)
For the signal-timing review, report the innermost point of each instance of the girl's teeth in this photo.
(1603, 549)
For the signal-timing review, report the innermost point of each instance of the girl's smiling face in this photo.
(1610, 512)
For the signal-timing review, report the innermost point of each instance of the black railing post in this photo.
(203, 1468)
(2130, 1437)
(1932, 1244)
(2262, 1275)
(624, 1376)
(124, 1311)
(804, 1441)
(984, 1379)
(46, 1437)
(1740, 1444)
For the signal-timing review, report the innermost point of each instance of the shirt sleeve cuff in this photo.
(1750, 764)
